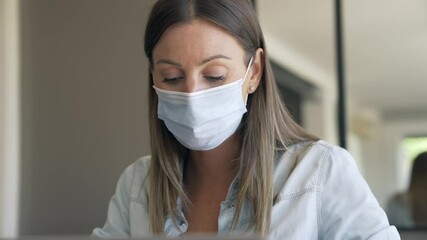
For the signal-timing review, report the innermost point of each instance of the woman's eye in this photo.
(215, 78)
(171, 80)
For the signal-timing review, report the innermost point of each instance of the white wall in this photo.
(378, 168)
(9, 117)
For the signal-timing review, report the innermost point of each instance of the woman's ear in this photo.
(256, 70)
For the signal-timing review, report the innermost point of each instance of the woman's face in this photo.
(195, 56)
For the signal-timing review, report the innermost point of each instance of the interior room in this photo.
(74, 104)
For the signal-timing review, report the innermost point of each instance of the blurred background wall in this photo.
(73, 108)
(83, 109)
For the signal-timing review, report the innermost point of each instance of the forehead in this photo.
(196, 40)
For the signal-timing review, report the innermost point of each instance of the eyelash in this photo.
(215, 78)
(171, 80)
(209, 78)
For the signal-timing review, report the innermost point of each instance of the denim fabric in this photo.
(319, 191)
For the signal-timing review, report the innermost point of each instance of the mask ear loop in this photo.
(246, 74)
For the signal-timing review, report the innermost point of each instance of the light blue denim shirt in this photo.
(320, 195)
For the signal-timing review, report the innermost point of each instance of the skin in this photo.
(191, 57)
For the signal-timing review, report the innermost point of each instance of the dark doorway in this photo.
(293, 89)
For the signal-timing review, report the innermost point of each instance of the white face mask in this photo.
(204, 119)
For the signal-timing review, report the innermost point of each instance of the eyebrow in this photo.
(167, 61)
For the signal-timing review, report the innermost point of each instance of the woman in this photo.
(409, 209)
(226, 156)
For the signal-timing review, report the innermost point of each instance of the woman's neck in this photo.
(218, 164)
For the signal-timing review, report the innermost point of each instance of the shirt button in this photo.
(231, 205)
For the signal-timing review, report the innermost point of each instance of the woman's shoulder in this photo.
(141, 165)
(318, 147)
(301, 166)
(138, 169)
(318, 153)
(135, 179)
(131, 188)
(313, 153)
(341, 199)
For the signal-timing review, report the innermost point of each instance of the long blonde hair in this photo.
(266, 128)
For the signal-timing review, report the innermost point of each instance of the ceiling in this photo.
(385, 47)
